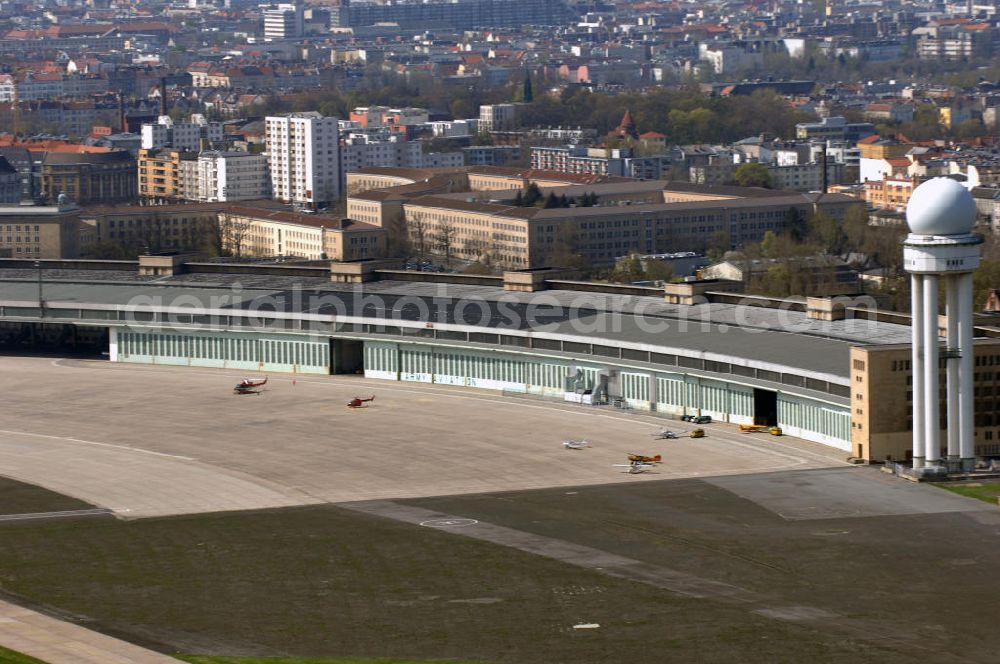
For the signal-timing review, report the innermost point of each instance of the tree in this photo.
(445, 239)
(482, 138)
(627, 270)
(461, 107)
(717, 246)
(527, 94)
(231, 233)
(795, 224)
(825, 231)
(566, 250)
(519, 199)
(855, 228)
(767, 244)
(397, 238)
(109, 250)
(551, 201)
(418, 235)
(752, 175)
(658, 271)
(477, 268)
(984, 279)
(532, 195)
(970, 129)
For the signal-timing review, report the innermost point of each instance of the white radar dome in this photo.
(941, 206)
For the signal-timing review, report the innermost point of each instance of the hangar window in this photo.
(661, 358)
(606, 351)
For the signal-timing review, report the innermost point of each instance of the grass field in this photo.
(11, 657)
(18, 498)
(985, 491)
(197, 659)
(325, 582)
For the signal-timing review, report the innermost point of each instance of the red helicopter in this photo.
(249, 385)
(357, 402)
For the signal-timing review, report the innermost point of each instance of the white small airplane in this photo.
(665, 434)
(639, 463)
(576, 444)
(635, 467)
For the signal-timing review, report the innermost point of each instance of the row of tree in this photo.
(532, 196)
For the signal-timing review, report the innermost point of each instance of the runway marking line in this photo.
(96, 444)
(32, 516)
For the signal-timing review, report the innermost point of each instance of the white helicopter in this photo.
(665, 434)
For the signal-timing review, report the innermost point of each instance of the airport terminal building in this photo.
(737, 359)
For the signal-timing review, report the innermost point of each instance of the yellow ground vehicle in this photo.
(760, 428)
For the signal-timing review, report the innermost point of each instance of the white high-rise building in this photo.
(229, 176)
(303, 153)
(364, 151)
(497, 117)
(284, 21)
(187, 136)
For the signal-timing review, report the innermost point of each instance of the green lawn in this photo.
(11, 657)
(199, 659)
(323, 582)
(19, 498)
(985, 491)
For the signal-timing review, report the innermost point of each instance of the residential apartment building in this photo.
(303, 151)
(804, 177)
(876, 155)
(497, 117)
(834, 128)
(456, 14)
(7, 88)
(596, 161)
(284, 21)
(491, 155)
(229, 176)
(890, 193)
(951, 41)
(160, 174)
(10, 183)
(395, 119)
(189, 136)
(360, 151)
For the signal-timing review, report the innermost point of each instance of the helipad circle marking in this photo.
(448, 523)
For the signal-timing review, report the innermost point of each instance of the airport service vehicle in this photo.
(760, 428)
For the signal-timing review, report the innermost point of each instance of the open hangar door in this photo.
(765, 407)
(346, 356)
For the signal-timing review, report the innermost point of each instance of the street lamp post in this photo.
(41, 301)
